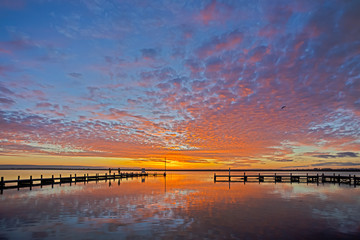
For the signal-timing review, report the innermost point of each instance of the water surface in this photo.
(181, 206)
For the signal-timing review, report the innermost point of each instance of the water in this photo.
(181, 206)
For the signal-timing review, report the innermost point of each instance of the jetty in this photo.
(32, 182)
(289, 178)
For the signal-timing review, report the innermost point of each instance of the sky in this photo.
(204, 84)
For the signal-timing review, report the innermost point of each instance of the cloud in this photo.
(6, 101)
(325, 156)
(210, 89)
(214, 12)
(218, 44)
(75, 75)
(43, 105)
(5, 90)
(337, 164)
(5, 69)
(149, 53)
(338, 155)
(347, 154)
(283, 160)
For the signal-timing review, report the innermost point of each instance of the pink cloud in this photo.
(212, 12)
(44, 105)
(225, 42)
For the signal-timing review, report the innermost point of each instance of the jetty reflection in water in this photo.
(184, 206)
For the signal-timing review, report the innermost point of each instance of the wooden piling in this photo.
(317, 178)
(307, 177)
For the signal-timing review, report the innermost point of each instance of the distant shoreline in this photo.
(182, 170)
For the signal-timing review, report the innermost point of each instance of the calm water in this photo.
(182, 206)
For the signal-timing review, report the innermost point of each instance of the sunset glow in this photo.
(206, 84)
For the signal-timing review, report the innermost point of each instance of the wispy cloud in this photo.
(338, 155)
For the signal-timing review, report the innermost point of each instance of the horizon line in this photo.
(94, 168)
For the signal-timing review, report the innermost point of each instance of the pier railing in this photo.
(32, 182)
(318, 178)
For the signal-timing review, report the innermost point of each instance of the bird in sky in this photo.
(283, 107)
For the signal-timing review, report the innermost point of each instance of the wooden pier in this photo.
(31, 182)
(289, 178)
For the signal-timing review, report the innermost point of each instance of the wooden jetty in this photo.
(290, 178)
(29, 183)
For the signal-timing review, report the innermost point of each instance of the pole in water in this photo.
(165, 167)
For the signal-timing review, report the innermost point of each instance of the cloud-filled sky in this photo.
(206, 84)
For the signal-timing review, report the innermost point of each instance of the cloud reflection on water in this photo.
(191, 207)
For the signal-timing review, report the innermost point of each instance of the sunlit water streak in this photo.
(182, 206)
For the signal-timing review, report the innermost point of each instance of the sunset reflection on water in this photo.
(181, 206)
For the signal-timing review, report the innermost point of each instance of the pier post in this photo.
(355, 181)
(317, 179)
(307, 178)
(259, 178)
(2, 185)
(18, 182)
(41, 177)
(118, 170)
(52, 184)
(60, 179)
(349, 179)
(109, 171)
(229, 175)
(214, 177)
(84, 178)
(291, 179)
